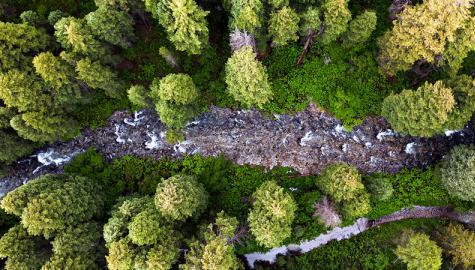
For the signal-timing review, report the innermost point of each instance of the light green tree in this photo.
(180, 197)
(185, 24)
(18, 43)
(213, 250)
(176, 88)
(422, 112)
(340, 181)
(44, 127)
(457, 172)
(358, 206)
(272, 214)
(463, 89)
(111, 25)
(148, 227)
(284, 25)
(458, 50)
(21, 250)
(139, 96)
(360, 29)
(52, 203)
(459, 243)
(420, 253)
(310, 20)
(421, 32)
(336, 15)
(174, 116)
(98, 76)
(246, 15)
(247, 79)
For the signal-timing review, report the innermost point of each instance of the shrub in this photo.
(420, 253)
(340, 181)
(459, 243)
(457, 172)
(380, 188)
(272, 214)
(247, 79)
(422, 112)
(180, 197)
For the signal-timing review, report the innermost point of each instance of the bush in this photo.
(457, 172)
(420, 253)
(380, 188)
(272, 214)
(180, 197)
(340, 181)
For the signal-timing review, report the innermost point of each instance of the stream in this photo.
(307, 141)
(358, 227)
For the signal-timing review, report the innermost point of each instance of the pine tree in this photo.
(180, 197)
(139, 96)
(185, 24)
(98, 76)
(459, 243)
(113, 26)
(458, 50)
(422, 112)
(420, 253)
(18, 43)
(52, 203)
(310, 21)
(176, 88)
(247, 79)
(340, 181)
(284, 26)
(246, 15)
(422, 32)
(360, 29)
(13, 147)
(457, 172)
(337, 15)
(272, 214)
(148, 227)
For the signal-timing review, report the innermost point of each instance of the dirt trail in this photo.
(307, 141)
(358, 227)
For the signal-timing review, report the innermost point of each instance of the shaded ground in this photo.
(307, 142)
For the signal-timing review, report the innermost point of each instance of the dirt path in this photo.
(358, 227)
(307, 141)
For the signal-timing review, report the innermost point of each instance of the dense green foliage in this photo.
(419, 252)
(457, 172)
(283, 26)
(340, 181)
(459, 243)
(272, 214)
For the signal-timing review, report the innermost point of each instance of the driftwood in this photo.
(308, 43)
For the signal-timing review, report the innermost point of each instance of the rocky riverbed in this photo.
(307, 142)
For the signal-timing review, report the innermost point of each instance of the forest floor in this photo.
(307, 142)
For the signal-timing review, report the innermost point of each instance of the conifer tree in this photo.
(13, 147)
(272, 214)
(246, 15)
(459, 243)
(340, 181)
(360, 29)
(247, 79)
(422, 112)
(185, 24)
(310, 20)
(98, 76)
(284, 26)
(139, 96)
(422, 32)
(419, 252)
(111, 25)
(336, 15)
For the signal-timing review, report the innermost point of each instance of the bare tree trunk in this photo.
(308, 43)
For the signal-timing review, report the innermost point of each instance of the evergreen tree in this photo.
(148, 227)
(358, 206)
(458, 50)
(22, 250)
(247, 79)
(98, 76)
(310, 20)
(337, 15)
(52, 203)
(174, 116)
(213, 250)
(18, 43)
(422, 32)
(463, 89)
(56, 15)
(246, 15)
(272, 214)
(360, 29)
(176, 88)
(284, 26)
(30, 17)
(139, 96)
(420, 253)
(459, 243)
(341, 182)
(185, 24)
(422, 112)
(180, 197)
(13, 147)
(457, 172)
(111, 25)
